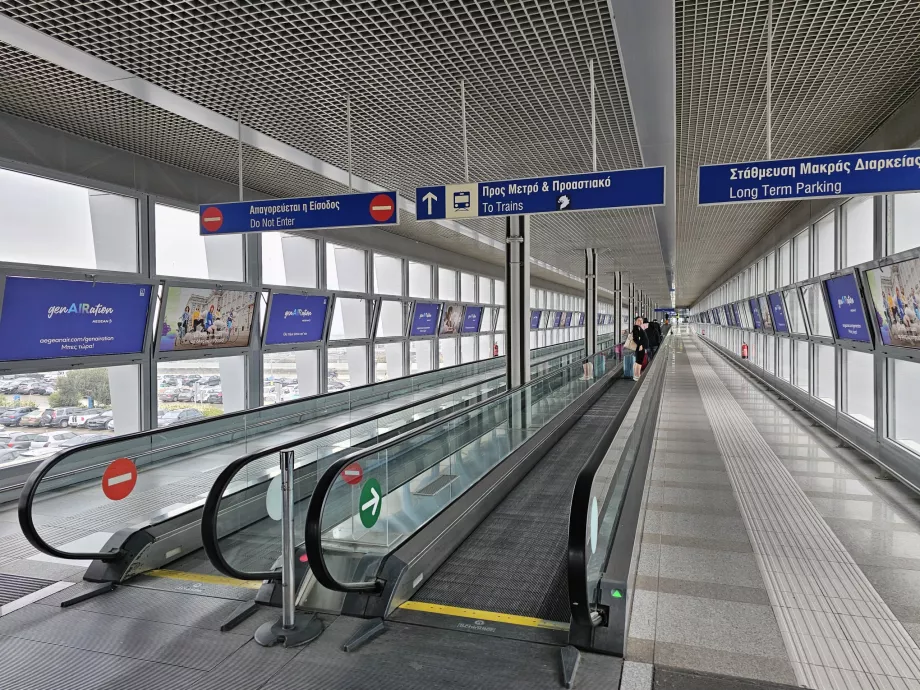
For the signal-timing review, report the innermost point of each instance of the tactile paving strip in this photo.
(838, 631)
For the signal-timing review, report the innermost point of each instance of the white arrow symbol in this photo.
(429, 197)
(374, 503)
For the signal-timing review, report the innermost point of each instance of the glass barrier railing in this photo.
(240, 529)
(141, 479)
(352, 525)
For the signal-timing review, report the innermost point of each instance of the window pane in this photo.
(486, 324)
(485, 291)
(193, 389)
(784, 371)
(794, 316)
(420, 355)
(347, 367)
(824, 241)
(447, 352)
(288, 260)
(499, 292)
(349, 319)
(485, 345)
(858, 245)
(906, 217)
(181, 251)
(903, 403)
(468, 349)
(815, 310)
(447, 283)
(859, 386)
(388, 361)
(769, 354)
(419, 280)
(500, 321)
(801, 268)
(387, 275)
(345, 269)
(801, 365)
(825, 377)
(51, 223)
(785, 268)
(770, 271)
(500, 341)
(290, 375)
(467, 287)
(391, 322)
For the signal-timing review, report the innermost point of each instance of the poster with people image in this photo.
(203, 318)
(895, 294)
(451, 320)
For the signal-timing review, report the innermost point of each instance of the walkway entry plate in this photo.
(592, 191)
(309, 213)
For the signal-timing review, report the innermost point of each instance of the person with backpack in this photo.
(639, 341)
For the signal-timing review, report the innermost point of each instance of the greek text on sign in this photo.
(849, 174)
(557, 194)
(312, 213)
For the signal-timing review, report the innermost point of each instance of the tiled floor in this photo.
(747, 513)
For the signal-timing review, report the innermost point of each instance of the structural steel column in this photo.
(517, 299)
(590, 301)
(618, 302)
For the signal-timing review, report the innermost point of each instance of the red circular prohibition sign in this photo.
(382, 208)
(119, 479)
(352, 474)
(212, 219)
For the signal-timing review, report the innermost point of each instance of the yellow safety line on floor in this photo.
(204, 578)
(483, 615)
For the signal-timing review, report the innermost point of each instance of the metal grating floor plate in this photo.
(13, 587)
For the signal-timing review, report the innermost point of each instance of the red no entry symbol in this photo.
(119, 479)
(212, 219)
(382, 208)
(352, 474)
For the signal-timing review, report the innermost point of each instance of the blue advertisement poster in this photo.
(755, 313)
(849, 318)
(472, 318)
(738, 322)
(296, 319)
(557, 319)
(425, 319)
(43, 318)
(581, 318)
(779, 313)
(535, 315)
(567, 319)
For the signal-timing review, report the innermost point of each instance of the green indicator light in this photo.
(617, 594)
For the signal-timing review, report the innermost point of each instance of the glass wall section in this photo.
(769, 354)
(345, 268)
(794, 316)
(391, 323)
(825, 374)
(801, 367)
(51, 223)
(388, 361)
(816, 310)
(485, 291)
(349, 319)
(784, 262)
(420, 355)
(859, 386)
(858, 233)
(346, 367)
(419, 280)
(905, 222)
(289, 260)
(784, 359)
(182, 252)
(500, 320)
(903, 403)
(825, 245)
(468, 348)
(447, 284)
(499, 292)
(290, 375)
(193, 389)
(485, 345)
(467, 287)
(770, 272)
(387, 275)
(801, 268)
(447, 352)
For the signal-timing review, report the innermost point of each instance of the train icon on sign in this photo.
(461, 201)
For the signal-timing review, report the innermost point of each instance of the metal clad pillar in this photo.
(590, 301)
(517, 298)
(618, 303)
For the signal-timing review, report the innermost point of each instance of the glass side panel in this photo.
(816, 310)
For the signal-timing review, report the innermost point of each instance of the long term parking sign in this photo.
(311, 213)
(558, 194)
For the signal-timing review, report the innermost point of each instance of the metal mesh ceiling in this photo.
(840, 68)
(289, 67)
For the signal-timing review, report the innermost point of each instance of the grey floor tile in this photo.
(702, 543)
(670, 660)
(643, 614)
(705, 590)
(704, 565)
(718, 498)
(679, 524)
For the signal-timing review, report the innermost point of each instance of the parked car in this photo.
(14, 415)
(111, 425)
(50, 439)
(190, 379)
(77, 440)
(174, 417)
(80, 418)
(209, 381)
(34, 388)
(58, 416)
(17, 440)
(8, 455)
(169, 394)
(216, 397)
(100, 420)
(334, 385)
(10, 386)
(34, 418)
(186, 395)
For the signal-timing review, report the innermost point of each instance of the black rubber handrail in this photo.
(313, 530)
(579, 514)
(211, 511)
(30, 488)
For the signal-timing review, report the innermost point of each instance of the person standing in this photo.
(641, 339)
(654, 336)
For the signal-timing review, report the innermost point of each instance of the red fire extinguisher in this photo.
(495, 350)
(744, 350)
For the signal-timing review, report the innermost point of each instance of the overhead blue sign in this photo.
(312, 213)
(849, 174)
(43, 318)
(425, 319)
(296, 319)
(562, 193)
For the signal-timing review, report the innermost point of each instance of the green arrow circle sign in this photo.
(371, 503)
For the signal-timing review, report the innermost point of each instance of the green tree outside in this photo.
(75, 386)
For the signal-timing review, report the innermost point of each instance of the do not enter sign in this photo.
(382, 208)
(119, 479)
(352, 474)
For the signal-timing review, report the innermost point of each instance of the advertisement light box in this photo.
(296, 319)
(472, 318)
(204, 318)
(45, 318)
(895, 303)
(535, 315)
(557, 319)
(425, 319)
(566, 319)
(846, 307)
(755, 313)
(779, 313)
(451, 320)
